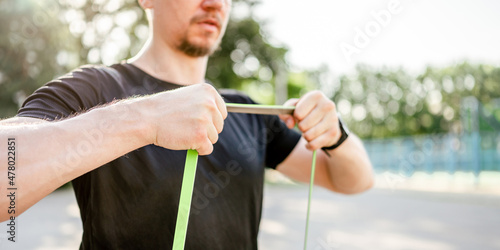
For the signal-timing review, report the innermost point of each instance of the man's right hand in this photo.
(186, 118)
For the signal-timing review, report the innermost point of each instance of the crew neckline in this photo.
(125, 63)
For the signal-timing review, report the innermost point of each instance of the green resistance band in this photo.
(311, 184)
(185, 199)
(190, 172)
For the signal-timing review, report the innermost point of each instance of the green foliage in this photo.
(244, 56)
(31, 42)
(44, 39)
(384, 103)
(300, 83)
(246, 60)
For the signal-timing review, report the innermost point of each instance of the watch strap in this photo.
(344, 134)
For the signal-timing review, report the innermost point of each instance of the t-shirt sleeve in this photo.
(64, 96)
(281, 141)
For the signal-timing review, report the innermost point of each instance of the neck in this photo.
(171, 65)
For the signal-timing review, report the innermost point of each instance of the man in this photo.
(119, 133)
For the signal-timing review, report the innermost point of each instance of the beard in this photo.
(195, 50)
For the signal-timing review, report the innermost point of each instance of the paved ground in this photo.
(379, 219)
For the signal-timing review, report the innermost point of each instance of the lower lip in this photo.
(209, 27)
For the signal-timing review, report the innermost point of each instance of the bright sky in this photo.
(419, 32)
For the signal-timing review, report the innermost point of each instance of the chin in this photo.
(196, 49)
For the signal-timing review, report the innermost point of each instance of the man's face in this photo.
(194, 27)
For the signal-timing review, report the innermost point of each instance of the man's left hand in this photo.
(316, 116)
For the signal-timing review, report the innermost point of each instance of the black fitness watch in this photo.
(344, 134)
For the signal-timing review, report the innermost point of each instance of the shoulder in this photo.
(104, 83)
(92, 72)
(86, 78)
(80, 89)
(87, 81)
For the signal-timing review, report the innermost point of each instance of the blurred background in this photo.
(418, 81)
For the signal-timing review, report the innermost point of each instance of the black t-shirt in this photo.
(131, 202)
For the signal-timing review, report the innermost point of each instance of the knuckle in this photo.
(200, 121)
(329, 106)
(206, 148)
(299, 114)
(313, 145)
(224, 113)
(308, 137)
(302, 126)
(207, 118)
(317, 93)
(206, 86)
(284, 117)
(202, 150)
(210, 149)
(200, 135)
(291, 102)
(332, 133)
(210, 89)
(220, 127)
(215, 139)
(206, 100)
(332, 104)
(325, 108)
(210, 106)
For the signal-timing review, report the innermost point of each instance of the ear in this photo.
(146, 4)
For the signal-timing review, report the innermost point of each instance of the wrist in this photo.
(343, 136)
(133, 115)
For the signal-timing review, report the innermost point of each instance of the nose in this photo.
(214, 4)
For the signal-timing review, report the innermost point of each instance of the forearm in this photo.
(349, 167)
(50, 154)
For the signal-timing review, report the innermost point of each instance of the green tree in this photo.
(45, 39)
(29, 54)
(390, 102)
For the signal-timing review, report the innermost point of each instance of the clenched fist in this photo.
(316, 116)
(186, 118)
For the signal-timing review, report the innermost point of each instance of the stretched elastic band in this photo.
(311, 183)
(189, 177)
(185, 199)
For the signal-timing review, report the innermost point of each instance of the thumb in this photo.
(289, 119)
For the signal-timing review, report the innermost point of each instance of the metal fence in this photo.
(471, 152)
